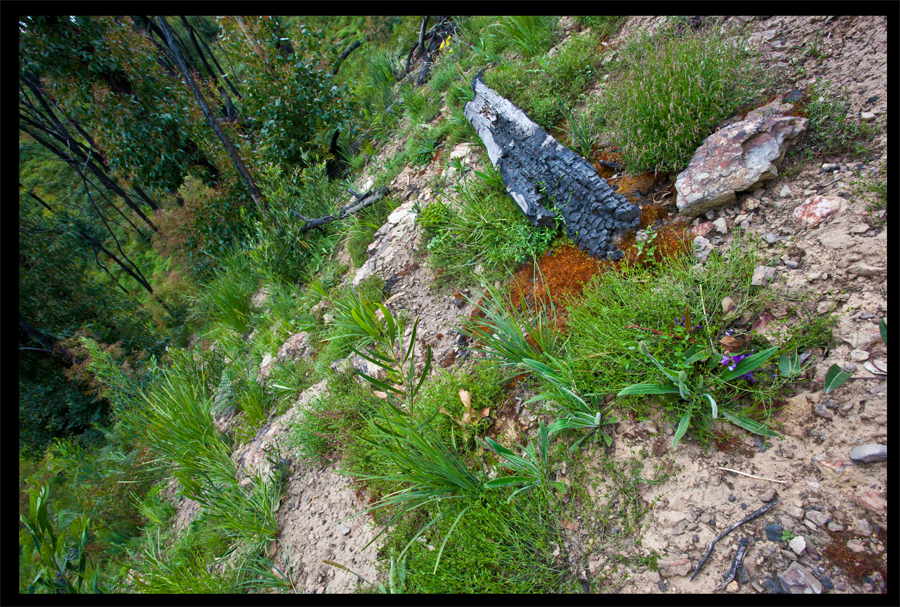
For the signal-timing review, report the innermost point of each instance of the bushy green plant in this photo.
(224, 301)
(694, 389)
(510, 336)
(533, 466)
(422, 105)
(671, 90)
(833, 129)
(581, 128)
(59, 547)
(278, 249)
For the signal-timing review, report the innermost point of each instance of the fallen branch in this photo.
(712, 544)
(362, 201)
(762, 478)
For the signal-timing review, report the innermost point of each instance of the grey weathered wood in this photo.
(539, 172)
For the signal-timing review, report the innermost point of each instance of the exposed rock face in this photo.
(738, 157)
(536, 168)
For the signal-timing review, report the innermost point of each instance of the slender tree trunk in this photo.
(257, 196)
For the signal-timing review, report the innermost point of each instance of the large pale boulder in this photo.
(739, 157)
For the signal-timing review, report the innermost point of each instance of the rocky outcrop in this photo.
(739, 157)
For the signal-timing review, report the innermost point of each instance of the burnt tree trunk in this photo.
(362, 201)
(539, 172)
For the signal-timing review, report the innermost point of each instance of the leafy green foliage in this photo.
(533, 466)
(698, 79)
(530, 35)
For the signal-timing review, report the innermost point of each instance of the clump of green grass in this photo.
(483, 228)
(422, 105)
(833, 129)
(671, 90)
(497, 546)
(545, 87)
(602, 25)
(224, 301)
(530, 35)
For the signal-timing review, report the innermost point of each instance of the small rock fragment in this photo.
(821, 411)
(858, 355)
(785, 191)
(762, 275)
(673, 565)
(798, 545)
(871, 502)
(797, 579)
(720, 225)
(767, 496)
(867, 454)
(856, 546)
(773, 532)
(816, 210)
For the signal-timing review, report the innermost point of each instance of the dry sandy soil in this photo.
(835, 504)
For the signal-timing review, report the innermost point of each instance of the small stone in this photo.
(767, 496)
(858, 355)
(816, 209)
(859, 228)
(701, 229)
(817, 517)
(797, 579)
(785, 192)
(720, 225)
(798, 545)
(813, 484)
(762, 275)
(821, 411)
(731, 498)
(670, 566)
(863, 269)
(345, 531)
(863, 527)
(773, 532)
(867, 116)
(732, 587)
(835, 527)
(695, 538)
(868, 454)
(792, 263)
(772, 586)
(871, 502)
(856, 546)
(772, 238)
(661, 584)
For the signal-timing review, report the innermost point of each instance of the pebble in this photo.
(762, 275)
(345, 531)
(871, 502)
(731, 498)
(785, 191)
(661, 584)
(797, 579)
(773, 532)
(817, 517)
(772, 238)
(798, 545)
(858, 355)
(863, 527)
(732, 587)
(855, 546)
(772, 586)
(822, 411)
(720, 225)
(868, 454)
(792, 263)
(866, 316)
(767, 496)
(835, 527)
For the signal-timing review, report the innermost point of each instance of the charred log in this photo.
(337, 164)
(539, 172)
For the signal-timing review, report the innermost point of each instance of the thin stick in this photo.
(712, 544)
(762, 478)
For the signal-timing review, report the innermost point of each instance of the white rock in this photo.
(785, 191)
(762, 275)
(798, 545)
(720, 225)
